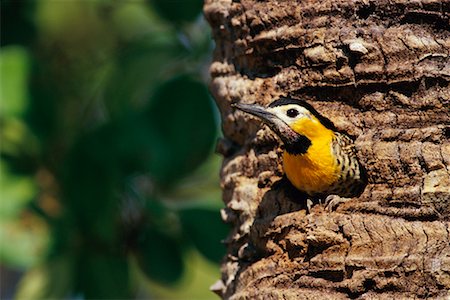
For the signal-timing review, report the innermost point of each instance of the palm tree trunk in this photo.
(380, 70)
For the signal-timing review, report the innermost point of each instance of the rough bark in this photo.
(380, 70)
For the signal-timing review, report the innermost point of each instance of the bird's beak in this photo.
(273, 121)
(257, 111)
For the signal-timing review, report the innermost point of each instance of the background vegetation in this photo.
(109, 188)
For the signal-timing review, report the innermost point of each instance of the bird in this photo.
(317, 159)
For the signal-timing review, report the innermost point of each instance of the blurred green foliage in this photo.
(107, 128)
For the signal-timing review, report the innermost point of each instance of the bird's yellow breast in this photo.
(316, 170)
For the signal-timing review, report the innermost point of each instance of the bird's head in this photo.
(296, 123)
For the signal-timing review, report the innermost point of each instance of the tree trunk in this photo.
(380, 70)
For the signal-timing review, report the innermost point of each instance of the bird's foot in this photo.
(332, 201)
(309, 204)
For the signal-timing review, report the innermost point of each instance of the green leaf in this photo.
(51, 280)
(158, 213)
(140, 67)
(14, 67)
(177, 11)
(20, 148)
(133, 19)
(45, 97)
(182, 113)
(27, 239)
(206, 230)
(160, 256)
(16, 192)
(90, 183)
(103, 276)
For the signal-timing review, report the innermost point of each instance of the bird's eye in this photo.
(292, 113)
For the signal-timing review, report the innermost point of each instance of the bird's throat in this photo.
(297, 145)
(313, 171)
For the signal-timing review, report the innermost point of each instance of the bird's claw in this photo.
(332, 201)
(309, 204)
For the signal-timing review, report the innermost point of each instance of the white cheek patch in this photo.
(288, 120)
(285, 118)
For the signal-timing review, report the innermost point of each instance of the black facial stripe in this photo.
(285, 101)
(297, 146)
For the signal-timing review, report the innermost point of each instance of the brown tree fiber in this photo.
(380, 71)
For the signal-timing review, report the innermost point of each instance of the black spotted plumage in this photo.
(352, 180)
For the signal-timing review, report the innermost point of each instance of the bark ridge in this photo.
(380, 70)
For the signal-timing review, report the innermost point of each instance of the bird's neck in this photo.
(315, 169)
(312, 129)
(297, 146)
(311, 133)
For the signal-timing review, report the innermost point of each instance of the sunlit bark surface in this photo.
(380, 70)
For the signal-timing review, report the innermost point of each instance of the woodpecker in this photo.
(317, 159)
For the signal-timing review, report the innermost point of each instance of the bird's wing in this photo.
(353, 178)
(343, 145)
